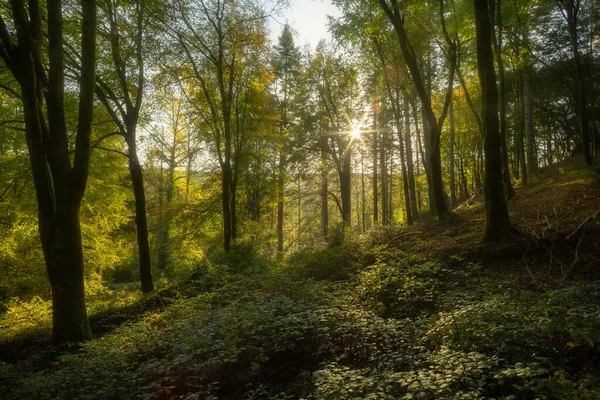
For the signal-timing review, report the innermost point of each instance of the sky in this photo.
(308, 18)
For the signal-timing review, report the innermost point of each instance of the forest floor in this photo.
(421, 312)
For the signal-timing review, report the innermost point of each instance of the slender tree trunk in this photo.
(497, 224)
(375, 180)
(409, 161)
(508, 187)
(225, 202)
(432, 126)
(280, 189)
(571, 12)
(532, 163)
(363, 194)
(346, 187)
(141, 223)
(324, 189)
(521, 130)
(233, 205)
(384, 183)
(452, 178)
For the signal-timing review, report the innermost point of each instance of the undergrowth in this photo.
(361, 320)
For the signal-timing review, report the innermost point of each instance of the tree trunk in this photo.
(432, 127)
(345, 188)
(571, 12)
(532, 163)
(384, 183)
(65, 270)
(497, 224)
(137, 179)
(409, 160)
(225, 203)
(375, 179)
(521, 130)
(280, 189)
(452, 178)
(324, 190)
(508, 187)
(59, 182)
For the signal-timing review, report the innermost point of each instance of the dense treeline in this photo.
(139, 140)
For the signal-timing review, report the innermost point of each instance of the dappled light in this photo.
(313, 200)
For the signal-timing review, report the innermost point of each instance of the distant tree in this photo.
(286, 64)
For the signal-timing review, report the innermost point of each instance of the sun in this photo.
(355, 133)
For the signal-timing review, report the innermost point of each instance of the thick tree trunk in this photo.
(137, 179)
(64, 262)
(497, 224)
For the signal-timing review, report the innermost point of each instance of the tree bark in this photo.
(324, 190)
(497, 223)
(452, 178)
(508, 187)
(410, 168)
(59, 182)
(375, 179)
(570, 10)
(384, 183)
(280, 189)
(532, 163)
(141, 223)
(432, 126)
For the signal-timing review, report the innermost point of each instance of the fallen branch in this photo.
(588, 219)
(402, 236)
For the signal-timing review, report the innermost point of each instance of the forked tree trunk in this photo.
(59, 182)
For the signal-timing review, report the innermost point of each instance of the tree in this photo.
(123, 100)
(335, 85)
(219, 41)
(286, 67)
(432, 125)
(59, 182)
(497, 224)
(571, 12)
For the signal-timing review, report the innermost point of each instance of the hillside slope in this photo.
(410, 313)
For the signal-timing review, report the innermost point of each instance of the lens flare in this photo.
(355, 133)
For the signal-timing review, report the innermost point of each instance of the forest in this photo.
(194, 204)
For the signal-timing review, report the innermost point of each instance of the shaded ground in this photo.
(420, 312)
